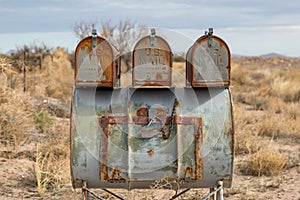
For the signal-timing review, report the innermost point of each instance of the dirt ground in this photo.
(17, 183)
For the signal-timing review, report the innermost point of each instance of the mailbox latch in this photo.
(94, 40)
(152, 38)
(209, 34)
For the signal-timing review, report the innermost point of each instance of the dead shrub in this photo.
(47, 171)
(276, 105)
(16, 118)
(245, 135)
(240, 75)
(279, 126)
(292, 111)
(286, 85)
(265, 162)
(50, 160)
(269, 125)
(60, 84)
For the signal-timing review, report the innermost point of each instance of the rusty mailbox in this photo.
(208, 62)
(96, 62)
(131, 137)
(152, 62)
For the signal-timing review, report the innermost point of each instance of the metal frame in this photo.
(216, 193)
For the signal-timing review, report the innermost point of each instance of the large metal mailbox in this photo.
(131, 137)
(96, 62)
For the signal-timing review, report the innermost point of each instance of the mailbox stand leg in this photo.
(220, 193)
(211, 191)
(85, 193)
(216, 193)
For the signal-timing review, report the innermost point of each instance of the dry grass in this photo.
(15, 118)
(51, 160)
(245, 133)
(285, 84)
(265, 162)
(178, 74)
(54, 79)
(266, 95)
(25, 120)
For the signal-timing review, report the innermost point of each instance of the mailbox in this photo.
(131, 137)
(96, 63)
(208, 62)
(152, 62)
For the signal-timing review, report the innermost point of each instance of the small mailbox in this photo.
(96, 62)
(152, 62)
(208, 62)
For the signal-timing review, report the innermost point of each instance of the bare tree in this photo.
(126, 34)
(122, 36)
(83, 29)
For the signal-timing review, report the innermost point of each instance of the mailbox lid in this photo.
(96, 62)
(208, 62)
(152, 62)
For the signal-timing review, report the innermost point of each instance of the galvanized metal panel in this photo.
(151, 156)
(136, 149)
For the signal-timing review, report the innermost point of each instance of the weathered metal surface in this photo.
(96, 63)
(121, 137)
(208, 62)
(152, 62)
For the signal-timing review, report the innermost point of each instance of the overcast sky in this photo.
(252, 27)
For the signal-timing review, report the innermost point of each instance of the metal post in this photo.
(85, 193)
(215, 193)
(221, 192)
(41, 60)
(24, 72)
(213, 197)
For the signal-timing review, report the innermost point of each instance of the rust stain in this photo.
(188, 171)
(198, 141)
(150, 152)
(76, 180)
(143, 111)
(173, 117)
(116, 174)
(104, 147)
(104, 123)
(103, 172)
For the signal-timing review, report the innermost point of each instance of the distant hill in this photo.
(238, 55)
(272, 55)
(10, 52)
(268, 55)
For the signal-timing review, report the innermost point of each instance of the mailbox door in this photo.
(208, 62)
(152, 62)
(95, 66)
